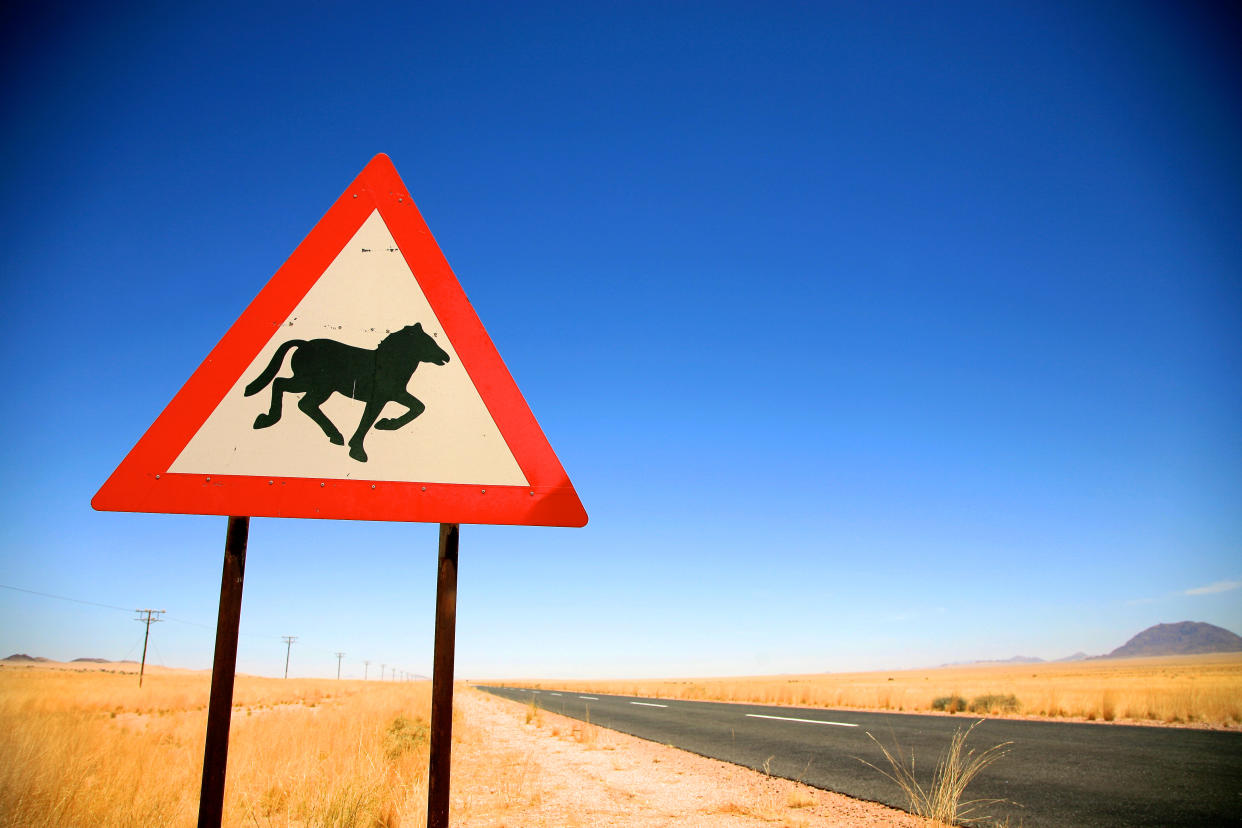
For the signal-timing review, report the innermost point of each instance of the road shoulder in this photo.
(559, 771)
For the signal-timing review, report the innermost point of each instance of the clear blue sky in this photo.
(871, 335)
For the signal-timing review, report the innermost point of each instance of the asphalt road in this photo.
(1055, 774)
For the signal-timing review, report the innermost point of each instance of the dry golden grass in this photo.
(85, 746)
(1204, 690)
(91, 748)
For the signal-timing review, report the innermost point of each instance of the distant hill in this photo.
(1182, 638)
(1078, 656)
(1018, 659)
(22, 658)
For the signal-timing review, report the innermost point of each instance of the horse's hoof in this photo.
(336, 439)
(358, 454)
(387, 424)
(265, 420)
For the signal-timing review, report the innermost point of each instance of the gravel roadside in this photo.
(561, 772)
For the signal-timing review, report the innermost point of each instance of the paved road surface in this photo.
(1056, 773)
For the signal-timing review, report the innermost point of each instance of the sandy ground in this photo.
(562, 772)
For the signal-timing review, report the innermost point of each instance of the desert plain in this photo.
(84, 745)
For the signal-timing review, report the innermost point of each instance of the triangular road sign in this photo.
(310, 406)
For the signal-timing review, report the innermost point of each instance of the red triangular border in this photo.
(142, 483)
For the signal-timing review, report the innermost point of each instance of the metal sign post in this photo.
(442, 680)
(223, 670)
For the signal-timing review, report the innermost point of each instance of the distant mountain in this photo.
(1078, 656)
(1018, 659)
(1182, 638)
(22, 658)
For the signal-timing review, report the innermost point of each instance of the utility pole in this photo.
(339, 656)
(289, 639)
(366, 667)
(382, 666)
(149, 621)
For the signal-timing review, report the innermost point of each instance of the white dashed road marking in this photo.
(589, 698)
(807, 721)
(649, 704)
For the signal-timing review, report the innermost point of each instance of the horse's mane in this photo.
(399, 340)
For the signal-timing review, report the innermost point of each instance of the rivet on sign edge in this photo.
(157, 477)
(372, 485)
(484, 491)
(321, 485)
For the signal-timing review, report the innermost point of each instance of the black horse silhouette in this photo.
(322, 367)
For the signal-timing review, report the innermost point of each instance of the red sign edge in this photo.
(142, 483)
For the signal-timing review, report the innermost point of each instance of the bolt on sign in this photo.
(359, 384)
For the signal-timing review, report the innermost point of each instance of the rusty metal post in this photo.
(442, 680)
(223, 669)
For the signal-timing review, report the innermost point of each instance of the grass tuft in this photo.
(532, 713)
(405, 735)
(952, 703)
(994, 703)
(942, 801)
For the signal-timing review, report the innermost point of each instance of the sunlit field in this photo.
(1203, 690)
(86, 746)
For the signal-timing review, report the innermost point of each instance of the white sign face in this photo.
(350, 340)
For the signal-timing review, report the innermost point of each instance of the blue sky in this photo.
(871, 335)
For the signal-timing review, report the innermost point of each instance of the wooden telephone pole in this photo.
(289, 639)
(149, 621)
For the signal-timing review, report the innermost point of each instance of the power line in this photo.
(175, 620)
(66, 598)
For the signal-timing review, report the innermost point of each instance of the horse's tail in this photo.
(269, 373)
